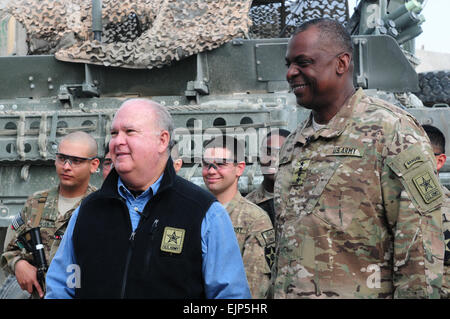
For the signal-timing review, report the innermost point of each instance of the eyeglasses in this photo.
(217, 163)
(73, 160)
(107, 163)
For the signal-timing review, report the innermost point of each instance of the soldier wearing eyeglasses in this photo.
(51, 209)
(222, 165)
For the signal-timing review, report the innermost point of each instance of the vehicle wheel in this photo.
(434, 87)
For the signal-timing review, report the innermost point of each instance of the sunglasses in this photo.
(217, 163)
(72, 160)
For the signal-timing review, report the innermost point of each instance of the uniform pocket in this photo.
(341, 197)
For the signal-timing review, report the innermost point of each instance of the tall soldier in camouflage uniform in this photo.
(437, 140)
(268, 160)
(51, 209)
(223, 163)
(357, 198)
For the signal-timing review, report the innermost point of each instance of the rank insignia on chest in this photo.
(172, 241)
(427, 187)
(299, 172)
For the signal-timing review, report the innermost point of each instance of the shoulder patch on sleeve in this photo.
(427, 188)
(268, 236)
(418, 178)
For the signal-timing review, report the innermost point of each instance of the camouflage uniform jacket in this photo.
(446, 227)
(358, 207)
(258, 195)
(263, 199)
(52, 227)
(256, 238)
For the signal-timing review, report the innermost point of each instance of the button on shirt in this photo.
(222, 266)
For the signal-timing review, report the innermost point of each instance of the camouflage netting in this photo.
(153, 33)
(137, 34)
(280, 19)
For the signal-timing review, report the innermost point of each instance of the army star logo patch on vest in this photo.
(172, 241)
(426, 187)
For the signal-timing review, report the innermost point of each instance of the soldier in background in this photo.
(176, 158)
(51, 209)
(107, 163)
(437, 140)
(357, 197)
(268, 160)
(222, 165)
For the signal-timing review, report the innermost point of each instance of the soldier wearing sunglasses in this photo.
(222, 165)
(51, 209)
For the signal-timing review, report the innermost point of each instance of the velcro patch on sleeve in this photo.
(427, 187)
(268, 236)
(417, 175)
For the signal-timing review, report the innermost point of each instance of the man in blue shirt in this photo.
(147, 233)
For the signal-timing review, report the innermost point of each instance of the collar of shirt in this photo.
(136, 204)
(234, 202)
(333, 128)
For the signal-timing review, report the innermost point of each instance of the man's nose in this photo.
(212, 166)
(67, 165)
(118, 139)
(291, 72)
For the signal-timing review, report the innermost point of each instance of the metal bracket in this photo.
(199, 86)
(25, 172)
(52, 138)
(42, 139)
(88, 88)
(20, 142)
(65, 97)
(361, 78)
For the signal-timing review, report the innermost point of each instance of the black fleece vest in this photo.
(161, 259)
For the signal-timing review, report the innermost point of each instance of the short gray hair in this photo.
(163, 118)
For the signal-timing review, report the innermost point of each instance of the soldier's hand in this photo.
(26, 275)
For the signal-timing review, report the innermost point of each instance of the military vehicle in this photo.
(216, 65)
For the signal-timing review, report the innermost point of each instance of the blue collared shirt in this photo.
(222, 266)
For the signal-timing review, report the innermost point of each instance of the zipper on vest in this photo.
(127, 264)
(152, 233)
(130, 252)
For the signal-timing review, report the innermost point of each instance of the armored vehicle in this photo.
(217, 65)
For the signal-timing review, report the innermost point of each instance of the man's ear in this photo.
(343, 63)
(240, 167)
(164, 138)
(177, 164)
(440, 161)
(94, 165)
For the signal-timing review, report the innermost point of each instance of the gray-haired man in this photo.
(156, 235)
